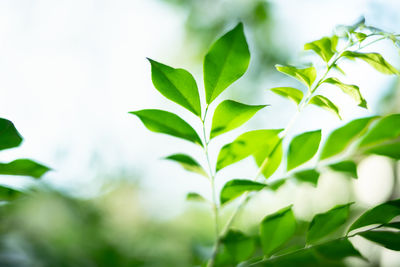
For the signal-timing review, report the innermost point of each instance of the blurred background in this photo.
(72, 70)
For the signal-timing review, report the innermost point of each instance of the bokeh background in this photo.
(72, 70)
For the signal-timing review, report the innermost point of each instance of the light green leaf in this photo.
(374, 59)
(380, 214)
(24, 167)
(325, 223)
(188, 163)
(246, 145)
(341, 138)
(226, 62)
(9, 194)
(388, 239)
(230, 115)
(192, 196)
(161, 121)
(236, 187)
(275, 185)
(276, 229)
(239, 246)
(322, 47)
(306, 75)
(310, 176)
(360, 36)
(9, 136)
(352, 90)
(269, 157)
(290, 93)
(348, 167)
(325, 103)
(177, 85)
(302, 148)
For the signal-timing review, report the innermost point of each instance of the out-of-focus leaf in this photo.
(24, 167)
(342, 137)
(192, 196)
(325, 103)
(239, 246)
(348, 167)
(374, 59)
(177, 85)
(226, 62)
(161, 121)
(234, 188)
(9, 194)
(188, 163)
(325, 223)
(230, 115)
(302, 148)
(310, 176)
(360, 36)
(322, 47)
(269, 157)
(276, 229)
(337, 249)
(380, 214)
(306, 75)
(352, 90)
(275, 185)
(388, 239)
(290, 93)
(9, 136)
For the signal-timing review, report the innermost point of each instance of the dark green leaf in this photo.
(161, 121)
(325, 103)
(325, 223)
(302, 148)
(177, 85)
(374, 59)
(388, 239)
(380, 214)
(352, 90)
(226, 62)
(310, 176)
(395, 225)
(24, 167)
(9, 194)
(342, 137)
(239, 246)
(269, 157)
(188, 163)
(275, 185)
(306, 75)
(322, 47)
(347, 166)
(337, 249)
(236, 187)
(9, 136)
(290, 93)
(195, 197)
(230, 115)
(276, 229)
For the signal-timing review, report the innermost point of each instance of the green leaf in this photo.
(302, 148)
(374, 59)
(325, 223)
(226, 62)
(322, 47)
(347, 166)
(290, 93)
(236, 187)
(360, 36)
(325, 103)
(341, 138)
(310, 176)
(388, 239)
(380, 214)
(188, 163)
(9, 194)
(275, 185)
(239, 246)
(246, 145)
(177, 85)
(161, 121)
(306, 75)
(9, 136)
(269, 157)
(352, 90)
(276, 229)
(337, 249)
(24, 167)
(230, 115)
(191, 196)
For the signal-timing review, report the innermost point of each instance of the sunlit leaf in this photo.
(305, 75)
(24, 167)
(388, 239)
(9, 194)
(348, 167)
(325, 103)
(374, 59)
(290, 93)
(192, 196)
(302, 148)
(9, 136)
(236, 187)
(177, 85)
(188, 163)
(239, 246)
(231, 114)
(352, 90)
(276, 229)
(322, 47)
(226, 62)
(161, 121)
(269, 157)
(310, 176)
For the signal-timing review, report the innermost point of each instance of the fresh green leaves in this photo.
(306, 76)
(236, 187)
(276, 229)
(226, 62)
(192, 196)
(310, 176)
(347, 166)
(188, 163)
(230, 115)
(325, 223)
(177, 85)
(325, 103)
(388, 239)
(24, 167)
(9, 136)
(168, 123)
(290, 93)
(374, 59)
(324, 47)
(352, 90)
(9, 194)
(302, 148)
(239, 246)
